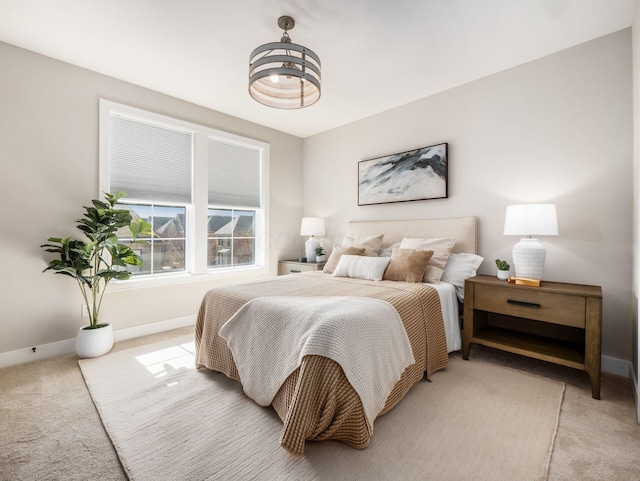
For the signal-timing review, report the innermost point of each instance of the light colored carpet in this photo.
(476, 420)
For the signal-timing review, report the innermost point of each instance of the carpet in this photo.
(167, 421)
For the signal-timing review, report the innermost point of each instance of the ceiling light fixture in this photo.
(284, 75)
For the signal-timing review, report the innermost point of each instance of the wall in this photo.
(636, 202)
(558, 130)
(49, 170)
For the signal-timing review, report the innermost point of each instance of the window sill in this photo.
(236, 274)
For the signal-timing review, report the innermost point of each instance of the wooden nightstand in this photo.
(556, 322)
(294, 266)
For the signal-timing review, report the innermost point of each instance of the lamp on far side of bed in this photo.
(312, 226)
(529, 220)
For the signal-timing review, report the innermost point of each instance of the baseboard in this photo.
(152, 328)
(45, 351)
(619, 367)
(636, 392)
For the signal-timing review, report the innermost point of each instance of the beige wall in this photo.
(555, 130)
(636, 202)
(49, 169)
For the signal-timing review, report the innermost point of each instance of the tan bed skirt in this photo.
(317, 402)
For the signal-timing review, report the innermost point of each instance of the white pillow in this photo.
(362, 267)
(460, 267)
(441, 247)
(386, 252)
(370, 243)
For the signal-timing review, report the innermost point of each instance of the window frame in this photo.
(196, 267)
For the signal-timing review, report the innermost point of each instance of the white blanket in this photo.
(269, 336)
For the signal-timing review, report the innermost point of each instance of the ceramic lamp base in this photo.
(310, 248)
(528, 258)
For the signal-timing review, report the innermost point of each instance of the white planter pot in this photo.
(321, 258)
(503, 275)
(94, 342)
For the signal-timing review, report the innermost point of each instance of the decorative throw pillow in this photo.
(338, 252)
(407, 265)
(387, 251)
(370, 243)
(441, 247)
(460, 267)
(362, 267)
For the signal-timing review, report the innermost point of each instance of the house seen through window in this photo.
(202, 191)
(231, 238)
(165, 250)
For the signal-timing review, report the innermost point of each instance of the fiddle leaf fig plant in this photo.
(101, 258)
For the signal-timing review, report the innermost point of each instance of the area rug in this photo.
(167, 421)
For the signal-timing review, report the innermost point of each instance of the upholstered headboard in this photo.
(464, 228)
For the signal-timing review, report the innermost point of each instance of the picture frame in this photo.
(419, 174)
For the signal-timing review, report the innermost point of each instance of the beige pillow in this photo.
(371, 243)
(337, 253)
(407, 265)
(441, 247)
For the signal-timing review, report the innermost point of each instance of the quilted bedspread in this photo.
(317, 402)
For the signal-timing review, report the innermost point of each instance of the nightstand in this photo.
(556, 322)
(294, 266)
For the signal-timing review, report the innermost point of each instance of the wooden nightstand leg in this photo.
(593, 344)
(467, 320)
(595, 385)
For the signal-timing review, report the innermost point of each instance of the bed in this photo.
(317, 401)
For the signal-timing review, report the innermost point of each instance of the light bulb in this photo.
(274, 78)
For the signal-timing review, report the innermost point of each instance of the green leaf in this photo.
(113, 199)
(133, 260)
(100, 205)
(140, 228)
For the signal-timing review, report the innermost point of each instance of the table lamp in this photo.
(312, 226)
(529, 220)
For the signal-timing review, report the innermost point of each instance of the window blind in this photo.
(234, 175)
(150, 162)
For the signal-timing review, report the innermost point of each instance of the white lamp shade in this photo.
(313, 226)
(531, 219)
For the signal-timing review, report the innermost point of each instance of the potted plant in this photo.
(96, 262)
(320, 255)
(503, 269)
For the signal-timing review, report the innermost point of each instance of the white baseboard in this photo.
(45, 351)
(152, 328)
(616, 366)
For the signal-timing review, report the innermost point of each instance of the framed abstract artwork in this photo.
(419, 174)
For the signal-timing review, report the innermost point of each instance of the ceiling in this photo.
(376, 54)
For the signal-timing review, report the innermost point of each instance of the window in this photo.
(202, 190)
(164, 252)
(231, 240)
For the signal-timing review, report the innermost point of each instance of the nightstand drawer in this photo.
(556, 308)
(285, 267)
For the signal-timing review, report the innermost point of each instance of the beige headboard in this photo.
(464, 228)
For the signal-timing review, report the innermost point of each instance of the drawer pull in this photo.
(523, 304)
(293, 271)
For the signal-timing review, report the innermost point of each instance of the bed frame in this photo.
(464, 228)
